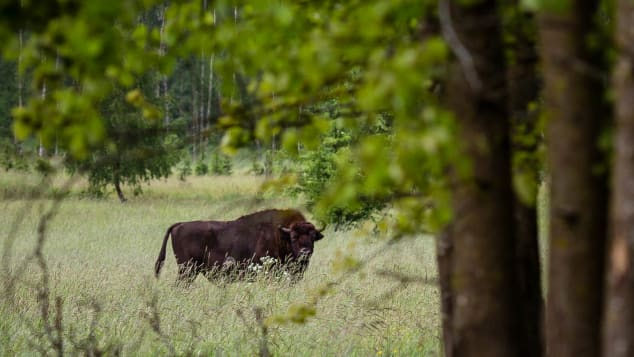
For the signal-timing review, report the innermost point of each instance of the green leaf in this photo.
(21, 130)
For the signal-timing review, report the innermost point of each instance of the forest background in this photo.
(423, 117)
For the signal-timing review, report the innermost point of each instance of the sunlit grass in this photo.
(101, 255)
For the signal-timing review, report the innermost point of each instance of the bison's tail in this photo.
(161, 258)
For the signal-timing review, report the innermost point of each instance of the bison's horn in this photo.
(285, 230)
(322, 228)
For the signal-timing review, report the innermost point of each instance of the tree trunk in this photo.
(577, 205)
(57, 64)
(210, 88)
(523, 87)
(16, 142)
(201, 106)
(19, 72)
(41, 151)
(161, 88)
(117, 187)
(483, 272)
(194, 113)
(619, 313)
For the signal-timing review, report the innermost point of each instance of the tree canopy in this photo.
(431, 111)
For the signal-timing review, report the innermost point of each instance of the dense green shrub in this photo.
(221, 164)
(317, 171)
(13, 158)
(184, 169)
(256, 167)
(201, 168)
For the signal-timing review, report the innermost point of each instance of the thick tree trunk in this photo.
(619, 313)
(483, 282)
(577, 204)
(523, 87)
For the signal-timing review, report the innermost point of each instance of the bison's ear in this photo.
(285, 233)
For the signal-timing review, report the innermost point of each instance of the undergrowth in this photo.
(359, 297)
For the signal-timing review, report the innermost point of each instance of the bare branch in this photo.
(461, 52)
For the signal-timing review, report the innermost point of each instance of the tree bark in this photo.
(483, 271)
(523, 87)
(577, 206)
(618, 339)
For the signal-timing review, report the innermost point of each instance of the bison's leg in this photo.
(221, 273)
(187, 272)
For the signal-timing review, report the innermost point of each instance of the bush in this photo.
(317, 170)
(201, 168)
(256, 167)
(184, 169)
(11, 158)
(221, 164)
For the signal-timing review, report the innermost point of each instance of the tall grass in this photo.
(100, 255)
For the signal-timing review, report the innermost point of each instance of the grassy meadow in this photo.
(100, 257)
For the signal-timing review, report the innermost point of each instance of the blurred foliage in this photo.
(320, 52)
(357, 105)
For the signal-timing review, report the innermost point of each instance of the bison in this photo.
(218, 247)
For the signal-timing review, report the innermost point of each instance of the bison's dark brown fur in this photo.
(216, 246)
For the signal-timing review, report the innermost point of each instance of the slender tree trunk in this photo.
(577, 204)
(19, 80)
(194, 113)
(20, 84)
(160, 14)
(41, 151)
(210, 87)
(523, 87)
(161, 88)
(56, 150)
(207, 114)
(483, 271)
(618, 339)
(201, 105)
(117, 187)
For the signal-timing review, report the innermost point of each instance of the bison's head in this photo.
(301, 236)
